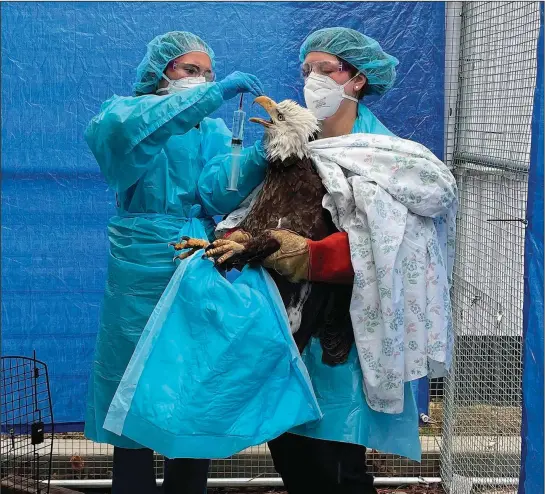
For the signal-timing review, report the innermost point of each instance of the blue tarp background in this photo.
(60, 61)
(531, 478)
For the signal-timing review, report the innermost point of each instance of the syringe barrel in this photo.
(236, 152)
(239, 117)
(236, 147)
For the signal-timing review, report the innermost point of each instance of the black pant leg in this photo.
(292, 462)
(321, 467)
(133, 472)
(185, 476)
(353, 475)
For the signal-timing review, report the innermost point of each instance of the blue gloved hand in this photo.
(240, 82)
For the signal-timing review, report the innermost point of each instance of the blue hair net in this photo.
(161, 50)
(359, 50)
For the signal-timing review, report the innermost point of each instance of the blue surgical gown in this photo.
(168, 163)
(339, 390)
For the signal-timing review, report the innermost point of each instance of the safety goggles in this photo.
(324, 67)
(191, 70)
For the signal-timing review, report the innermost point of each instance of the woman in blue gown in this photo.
(168, 163)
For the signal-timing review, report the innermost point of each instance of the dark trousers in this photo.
(134, 473)
(320, 467)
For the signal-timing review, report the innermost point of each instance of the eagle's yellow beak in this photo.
(269, 106)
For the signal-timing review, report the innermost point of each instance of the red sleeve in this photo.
(230, 232)
(330, 260)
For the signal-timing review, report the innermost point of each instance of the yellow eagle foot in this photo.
(193, 244)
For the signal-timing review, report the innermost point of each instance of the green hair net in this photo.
(161, 50)
(359, 50)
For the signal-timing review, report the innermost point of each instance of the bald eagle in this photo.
(291, 199)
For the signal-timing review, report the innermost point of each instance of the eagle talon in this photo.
(223, 249)
(190, 243)
(185, 255)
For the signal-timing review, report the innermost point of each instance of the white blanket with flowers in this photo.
(398, 203)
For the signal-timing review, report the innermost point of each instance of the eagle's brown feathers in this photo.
(291, 198)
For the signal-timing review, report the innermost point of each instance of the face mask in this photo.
(323, 95)
(177, 85)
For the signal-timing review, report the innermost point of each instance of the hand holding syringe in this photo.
(236, 146)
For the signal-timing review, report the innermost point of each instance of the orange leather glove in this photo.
(292, 259)
(327, 260)
(238, 235)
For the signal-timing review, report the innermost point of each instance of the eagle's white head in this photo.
(288, 131)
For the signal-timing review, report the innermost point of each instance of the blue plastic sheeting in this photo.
(228, 381)
(60, 61)
(531, 477)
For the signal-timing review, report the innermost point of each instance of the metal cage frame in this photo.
(490, 80)
(27, 425)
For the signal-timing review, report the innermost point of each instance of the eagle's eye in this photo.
(280, 117)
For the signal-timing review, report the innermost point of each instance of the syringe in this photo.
(236, 146)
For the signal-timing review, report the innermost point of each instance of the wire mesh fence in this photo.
(490, 94)
(75, 458)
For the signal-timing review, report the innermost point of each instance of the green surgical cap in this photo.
(359, 50)
(161, 50)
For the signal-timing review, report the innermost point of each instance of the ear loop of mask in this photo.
(345, 96)
(163, 76)
(164, 90)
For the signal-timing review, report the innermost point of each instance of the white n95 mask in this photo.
(177, 85)
(323, 95)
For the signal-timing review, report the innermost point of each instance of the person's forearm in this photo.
(330, 260)
(130, 132)
(214, 180)
(327, 260)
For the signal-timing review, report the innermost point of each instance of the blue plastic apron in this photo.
(132, 292)
(216, 369)
(346, 415)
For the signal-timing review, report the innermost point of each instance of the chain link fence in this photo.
(491, 69)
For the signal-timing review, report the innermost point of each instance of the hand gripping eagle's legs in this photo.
(228, 253)
(223, 249)
(231, 254)
(193, 244)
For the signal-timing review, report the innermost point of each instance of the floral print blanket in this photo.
(398, 204)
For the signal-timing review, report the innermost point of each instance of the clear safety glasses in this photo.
(191, 70)
(324, 67)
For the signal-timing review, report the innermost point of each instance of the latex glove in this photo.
(292, 259)
(240, 82)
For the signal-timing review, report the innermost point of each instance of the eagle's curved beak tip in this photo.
(268, 105)
(265, 102)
